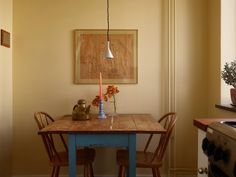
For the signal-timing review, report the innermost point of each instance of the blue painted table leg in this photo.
(72, 155)
(132, 156)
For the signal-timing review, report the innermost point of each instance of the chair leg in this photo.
(86, 173)
(53, 171)
(85, 170)
(158, 172)
(123, 171)
(57, 171)
(91, 170)
(88, 170)
(120, 171)
(154, 172)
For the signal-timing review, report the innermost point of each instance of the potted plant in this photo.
(229, 76)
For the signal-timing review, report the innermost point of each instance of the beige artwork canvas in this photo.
(90, 48)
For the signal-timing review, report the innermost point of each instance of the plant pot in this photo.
(233, 96)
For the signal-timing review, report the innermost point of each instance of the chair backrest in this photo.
(43, 119)
(168, 121)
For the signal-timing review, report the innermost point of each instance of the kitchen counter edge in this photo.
(202, 123)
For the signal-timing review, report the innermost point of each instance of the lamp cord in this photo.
(108, 24)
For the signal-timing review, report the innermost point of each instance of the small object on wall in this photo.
(5, 38)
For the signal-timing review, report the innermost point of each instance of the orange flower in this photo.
(96, 100)
(105, 98)
(111, 90)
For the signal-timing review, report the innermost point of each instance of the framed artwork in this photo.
(5, 38)
(90, 46)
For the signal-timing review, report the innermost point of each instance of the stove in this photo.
(220, 147)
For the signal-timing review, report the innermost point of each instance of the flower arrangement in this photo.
(111, 91)
(229, 73)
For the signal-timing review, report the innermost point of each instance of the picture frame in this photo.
(5, 38)
(90, 45)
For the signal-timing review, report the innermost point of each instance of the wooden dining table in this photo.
(115, 131)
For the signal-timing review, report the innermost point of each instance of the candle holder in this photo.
(101, 114)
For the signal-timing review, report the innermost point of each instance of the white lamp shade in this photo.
(108, 54)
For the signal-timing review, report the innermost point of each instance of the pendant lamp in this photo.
(108, 53)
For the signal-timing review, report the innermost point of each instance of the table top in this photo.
(120, 123)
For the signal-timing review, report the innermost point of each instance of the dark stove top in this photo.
(227, 128)
(230, 123)
(221, 138)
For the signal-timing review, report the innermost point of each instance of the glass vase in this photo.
(111, 108)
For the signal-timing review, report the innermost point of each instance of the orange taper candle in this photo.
(100, 86)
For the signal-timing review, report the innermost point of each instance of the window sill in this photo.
(226, 107)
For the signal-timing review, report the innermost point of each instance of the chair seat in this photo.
(57, 158)
(143, 160)
(83, 156)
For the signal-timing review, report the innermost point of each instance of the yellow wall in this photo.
(43, 68)
(190, 76)
(5, 92)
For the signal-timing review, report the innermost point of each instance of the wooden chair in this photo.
(59, 159)
(146, 159)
